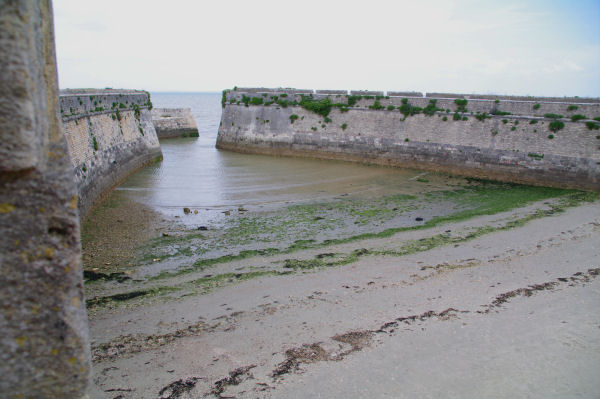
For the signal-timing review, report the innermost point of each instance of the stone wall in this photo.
(519, 147)
(74, 102)
(366, 93)
(110, 135)
(405, 93)
(44, 344)
(174, 122)
(516, 98)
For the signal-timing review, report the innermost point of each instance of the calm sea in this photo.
(195, 174)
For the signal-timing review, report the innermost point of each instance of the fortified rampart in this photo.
(44, 343)
(109, 135)
(534, 140)
(174, 122)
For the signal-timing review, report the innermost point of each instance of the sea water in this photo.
(196, 175)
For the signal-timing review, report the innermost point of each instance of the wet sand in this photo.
(501, 308)
(115, 229)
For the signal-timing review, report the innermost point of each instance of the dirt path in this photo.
(494, 309)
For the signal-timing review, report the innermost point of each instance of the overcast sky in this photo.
(542, 47)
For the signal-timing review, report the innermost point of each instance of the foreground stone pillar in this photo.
(44, 344)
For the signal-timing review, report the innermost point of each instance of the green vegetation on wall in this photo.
(321, 107)
(555, 126)
(578, 117)
(461, 104)
(482, 116)
(376, 106)
(553, 116)
(408, 110)
(431, 108)
(352, 100)
(136, 111)
(592, 125)
(224, 98)
(538, 157)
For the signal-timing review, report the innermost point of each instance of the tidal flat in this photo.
(135, 246)
(320, 298)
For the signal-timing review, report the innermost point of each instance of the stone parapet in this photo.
(110, 134)
(174, 122)
(509, 140)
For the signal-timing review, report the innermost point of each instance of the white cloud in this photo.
(562, 66)
(460, 45)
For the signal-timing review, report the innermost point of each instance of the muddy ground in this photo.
(494, 303)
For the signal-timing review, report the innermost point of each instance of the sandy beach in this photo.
(505, 306)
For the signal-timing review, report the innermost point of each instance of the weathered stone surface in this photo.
(174, 122)
(109, 135)
(516, 150)
(332, 91)
(77, 102)
(19, 124)
(366, 93)
(569, 100)
(44, 344)
(405, 93)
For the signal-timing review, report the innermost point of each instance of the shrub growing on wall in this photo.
(482, 117)
(245, 99)
(431, 108)
(461, 104)
(578, 117)
(321, 107)
(376, 105)
(223, 98)
(592, 125)
(408, 110)
(555, 126)
(353, 99)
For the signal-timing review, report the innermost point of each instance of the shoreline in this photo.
(267, 335)
(115, 229)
